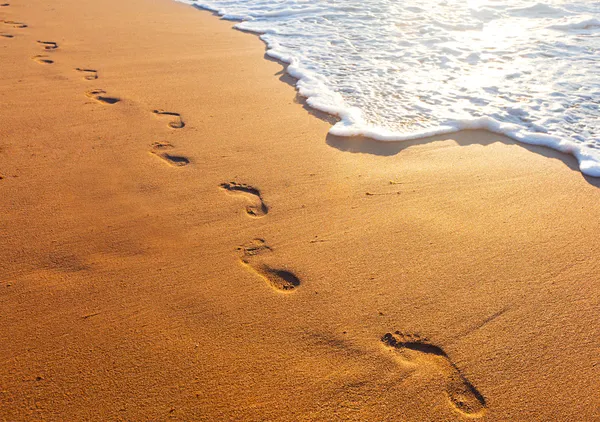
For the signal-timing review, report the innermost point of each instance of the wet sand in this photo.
(181, 239)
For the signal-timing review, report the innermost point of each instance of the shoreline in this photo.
(346, 124)
(227, 259)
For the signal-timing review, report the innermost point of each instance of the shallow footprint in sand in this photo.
(258, 208)
(161, 150)
(4, 4)
(279, 279)
(88, 74)
(413, 350)
(14, 24)
(176, 121)
(48, 45)
(7, 35)
(100, 96)
(42, 59)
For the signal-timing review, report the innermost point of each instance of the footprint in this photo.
(258, 207)
(176, 123)
(42, 60)
(48, 45)
(89, 74)
(414, 350)
(281, 280)
(99, 95)
(160, 149)
(7, 35)
(4, 4)
(14, 24)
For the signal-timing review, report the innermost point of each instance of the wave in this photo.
(329, 74)
(587, 23)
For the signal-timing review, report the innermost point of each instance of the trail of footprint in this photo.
(99, 95)
(160, 149)
(42, 60)
(48, 45)
(89, 74)
(414, 350)
(14, 24)
(258, 207)
(279, 279)
(176, 123)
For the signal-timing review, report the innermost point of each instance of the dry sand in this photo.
(246, 266)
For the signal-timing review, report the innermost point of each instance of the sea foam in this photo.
(395, 72)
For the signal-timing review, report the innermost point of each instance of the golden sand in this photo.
(181, 239)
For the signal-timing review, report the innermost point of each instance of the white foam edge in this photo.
(351, 123)
(588, 159)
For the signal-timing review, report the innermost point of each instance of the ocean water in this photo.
(396, 70)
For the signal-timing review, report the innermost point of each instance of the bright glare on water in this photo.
(395, 70)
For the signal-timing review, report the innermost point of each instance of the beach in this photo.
(181, 239)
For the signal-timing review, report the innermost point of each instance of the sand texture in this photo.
(180, 239)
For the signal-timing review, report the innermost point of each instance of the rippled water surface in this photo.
(397, 70)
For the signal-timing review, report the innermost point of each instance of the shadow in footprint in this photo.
(279, 279)
(4, 4)
(412, 349)
(258, 208)
(7, 35)
(48, 45)
(161, 150)
(99, 95)
(89, 74)
(42, 60)
(176, 123)
(15, 24)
